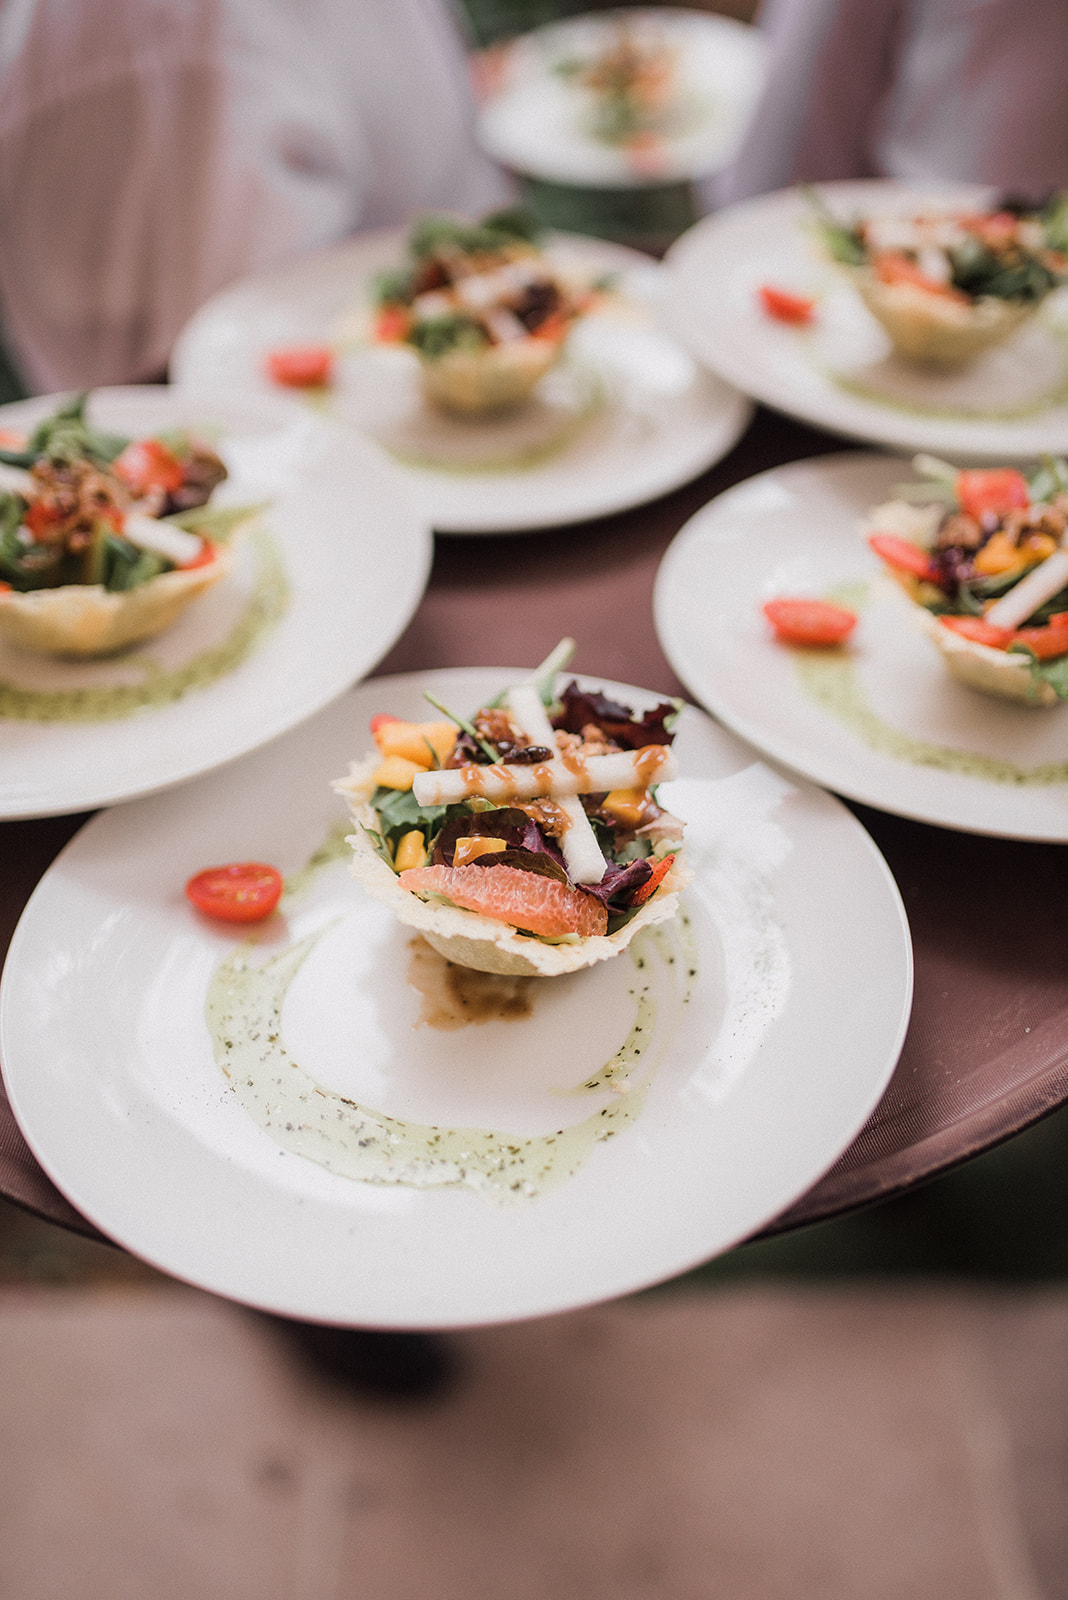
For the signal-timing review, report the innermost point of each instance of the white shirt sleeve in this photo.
(152, 151)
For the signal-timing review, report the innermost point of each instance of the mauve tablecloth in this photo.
(987, 1049)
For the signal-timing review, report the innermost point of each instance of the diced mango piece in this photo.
(1037, 546)
(414, 741)
(477, 845)
(628, 806)
(411, 851)
(396, 773)
(998, 555)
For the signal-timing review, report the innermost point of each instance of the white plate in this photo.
(796, 1016)
(562, 459)
(536, 121)
(839, 373)
(334, 508)
(915, 741)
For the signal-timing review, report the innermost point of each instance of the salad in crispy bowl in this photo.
(527, 839)
(104, 540)
(985, 563)
(948, 285)
(481, 307)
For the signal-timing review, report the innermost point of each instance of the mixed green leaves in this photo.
(66, 436)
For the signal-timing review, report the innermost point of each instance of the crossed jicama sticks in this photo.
(562, 779)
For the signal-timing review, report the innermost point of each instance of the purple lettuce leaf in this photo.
(580, 707)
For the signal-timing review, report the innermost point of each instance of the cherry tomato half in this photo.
(307, 366)
(996, 489)
(651, 885)
(812, 622)
(245, 891)
(786, 307)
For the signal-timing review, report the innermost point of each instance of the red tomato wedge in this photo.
(996, 489)
(208, 552)
(979, 631)
(391, 324)
(306, 366)
(1046, 642)
(148, 464)
(244, 891)
(651, 885)
(786, 307)
(895, 267)
(811, 622)
(902, 554)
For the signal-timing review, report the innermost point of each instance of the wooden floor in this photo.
(750, 1442)
(872, 1409)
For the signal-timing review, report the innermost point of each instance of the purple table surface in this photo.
(987, 1048)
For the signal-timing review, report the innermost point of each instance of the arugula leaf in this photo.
(217, 523)
(437, 336)
(1054, 672)
(843, 242)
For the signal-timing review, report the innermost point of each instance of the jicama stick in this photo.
(622, 769)
(1025, 597)
(582, 854)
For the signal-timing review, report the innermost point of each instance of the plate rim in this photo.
(715, 24)
(414, 575)
(733, 409)
(827, 775)
(892, 910)
(860, 418)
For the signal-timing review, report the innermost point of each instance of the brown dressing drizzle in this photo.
(455, 996)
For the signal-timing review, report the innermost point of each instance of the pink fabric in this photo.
(152, 151)
(921, 90)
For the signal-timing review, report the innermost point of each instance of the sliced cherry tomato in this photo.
(148, 464)
(555, 327)
(997, 489)
(903, 555)
(786, 307)
(40, 516)
(814, 622)
(245, 891)
(306, 366)
(391, 324)
(208, 553)
(892, 267)
(651, 885)
(1045, 642)
(5, 588)
(979, 631)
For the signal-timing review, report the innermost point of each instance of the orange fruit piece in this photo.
(508, 894)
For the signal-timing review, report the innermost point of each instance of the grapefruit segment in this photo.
(508, 894)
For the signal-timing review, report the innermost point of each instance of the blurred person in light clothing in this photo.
(919, 90)
(152, 151)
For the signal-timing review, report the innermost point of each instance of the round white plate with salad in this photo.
(622, 98)
(837, 369)
(307, 607)
(879, 719)
(757, 1029)
(625, 416)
